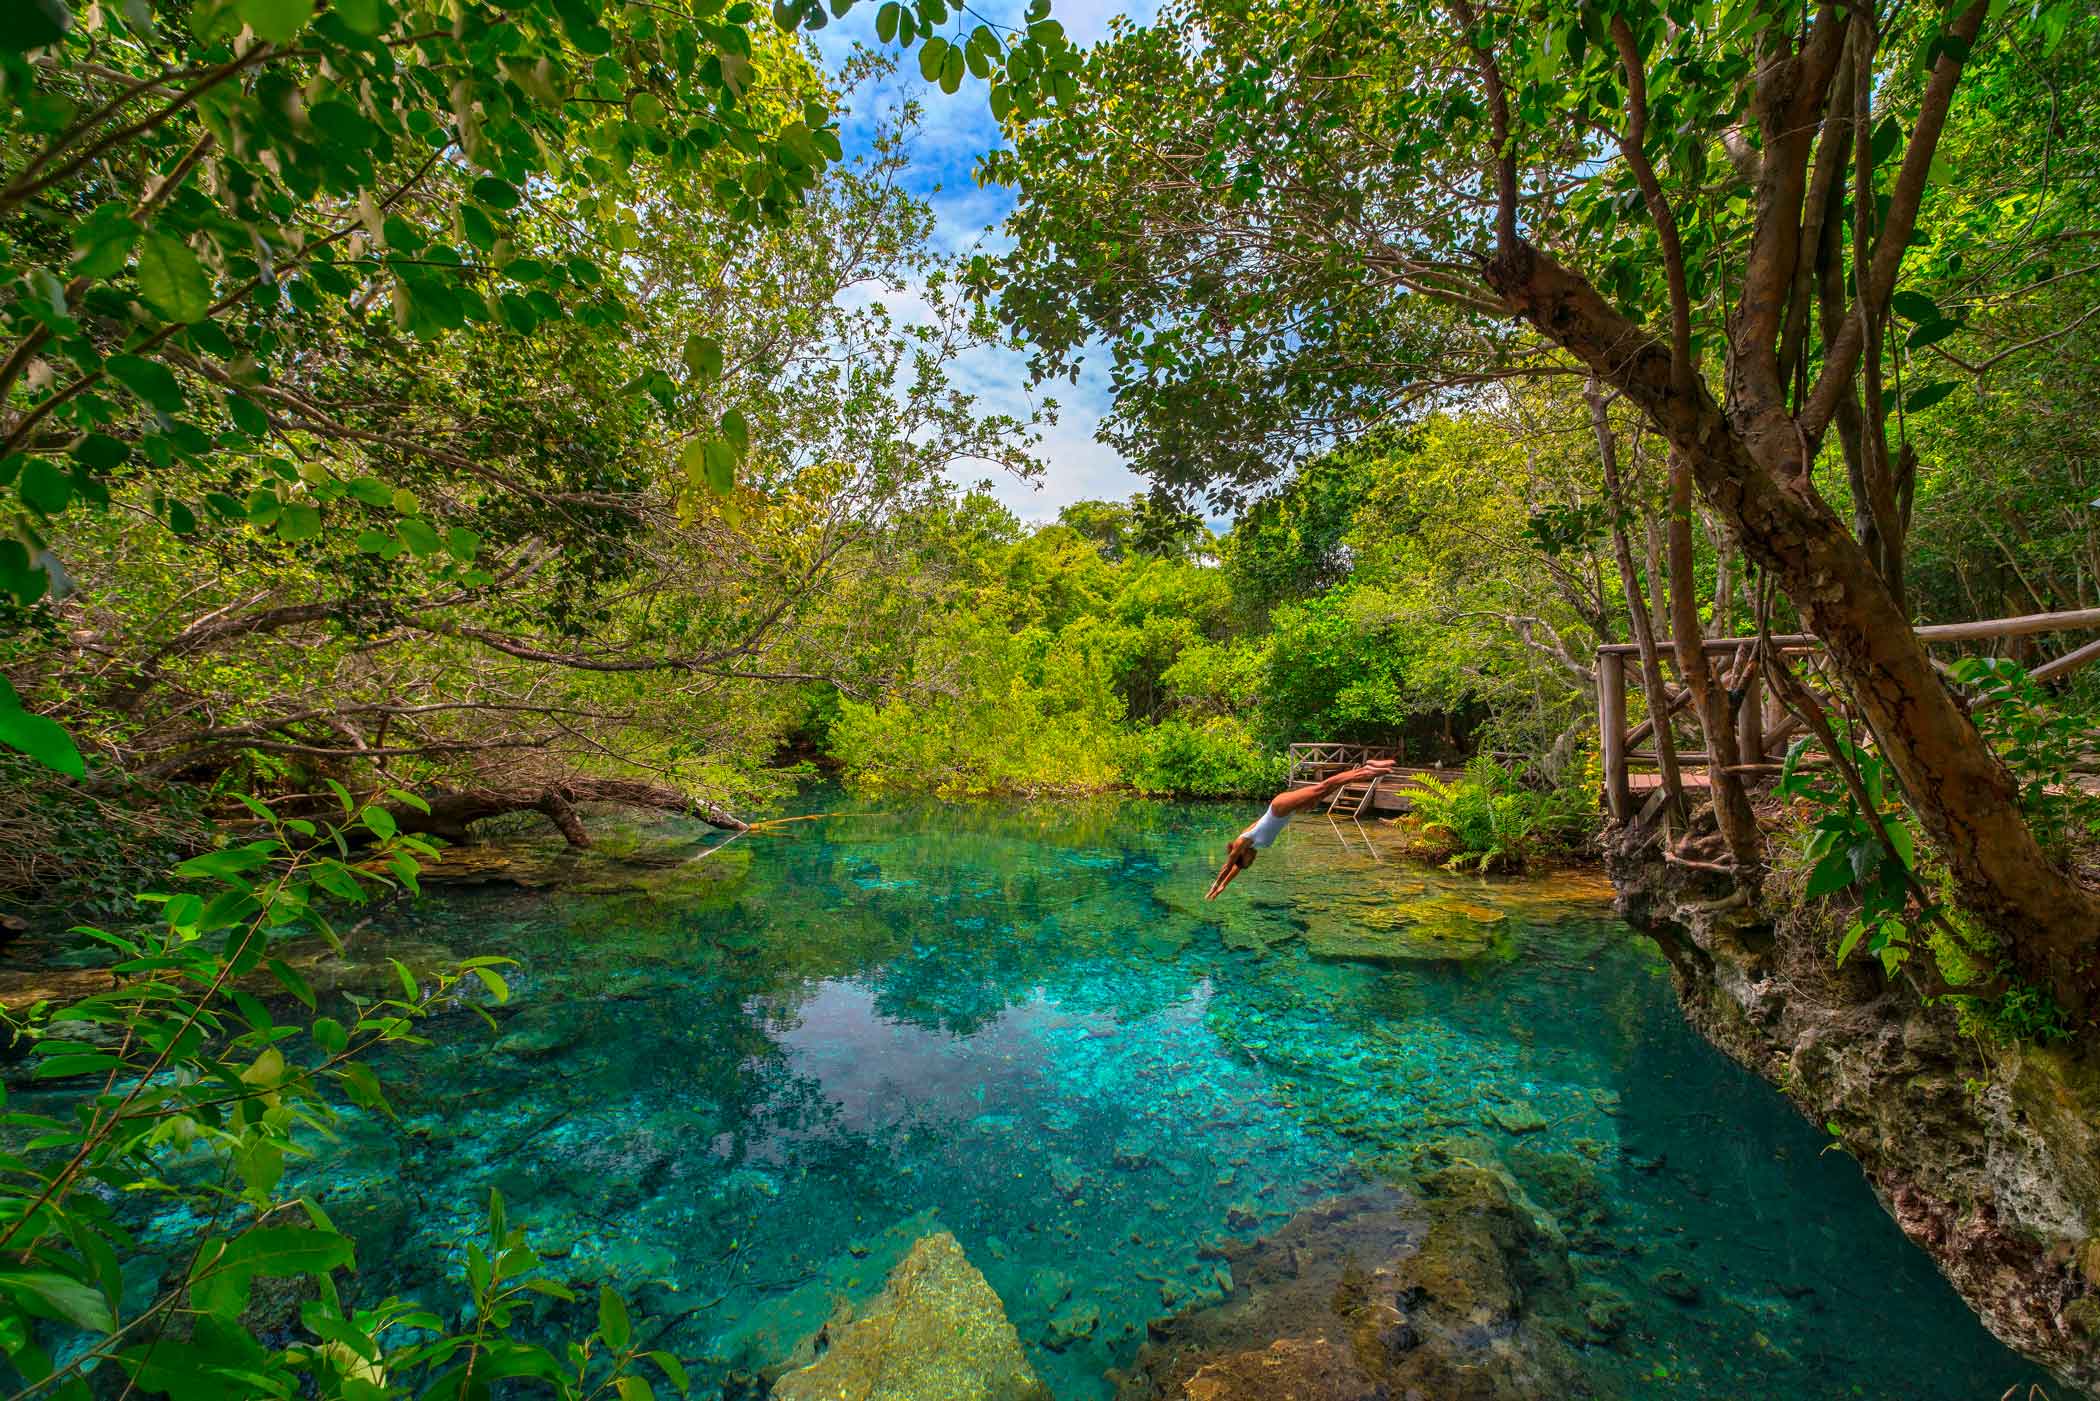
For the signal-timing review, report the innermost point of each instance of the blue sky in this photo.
(953, 133)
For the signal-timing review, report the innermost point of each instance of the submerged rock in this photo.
(1450, 1293)
(535, 1032)
(1288, 1367)
(1047, 1288)
(1432, 927)
(937, 1332)
(1517, 1117)
(1074, 1323)
(1673, 1283)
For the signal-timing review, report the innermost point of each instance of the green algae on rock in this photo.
(937, 1332)
(1457, 1289)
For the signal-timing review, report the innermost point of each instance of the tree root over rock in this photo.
(452, 810)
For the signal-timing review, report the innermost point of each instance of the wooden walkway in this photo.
(1762, 730)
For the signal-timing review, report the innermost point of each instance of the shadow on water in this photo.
(740, 1086)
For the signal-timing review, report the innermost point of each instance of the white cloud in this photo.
(952, 133)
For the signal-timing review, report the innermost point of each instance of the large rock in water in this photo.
(1453, 1292)
(937, 1332)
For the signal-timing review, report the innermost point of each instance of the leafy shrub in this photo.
(1337, 669)
(1217, 758)
(84, 854)
(1491, 821)
(2039, 742)
(186, 1095)
(1003, 726)
(1847, 854)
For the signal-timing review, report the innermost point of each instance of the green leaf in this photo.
(172, 279)
(1850, 941)
(292, 981)
(462, 544)
(886, 20)
(362, 1085)
(1916, 306)
(951, 70)
(1832, 874)
(419, 536)
(673, 1370)
(380, 821)
(493, 981)
(42, 739)
(366, 17)
(44, 487)
(149, 379)
(703, 356)
(48, 1294)
(634, 1388)
(276, 21)
(1931, 333)
(102, 241)
(736, 430)
(222, 1279)
(1926, 396)
(247, 415)
(227, 861)
(1906, 845)
(718, 465)
(299, 521)
(613, 1324)
(499, 194)
(932, 55)
(33, 24)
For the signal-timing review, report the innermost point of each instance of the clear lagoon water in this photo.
(738, 1086)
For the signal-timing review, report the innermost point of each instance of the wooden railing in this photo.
(1312, 762)
(1763, 730)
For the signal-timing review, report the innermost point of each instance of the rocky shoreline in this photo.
(1447, 1286)
(1987, 1156)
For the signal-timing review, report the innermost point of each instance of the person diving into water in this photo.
(1269, 826)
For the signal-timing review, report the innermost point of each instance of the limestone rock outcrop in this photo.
(1453, 1291)
(1987, 1155)
(937, 1332)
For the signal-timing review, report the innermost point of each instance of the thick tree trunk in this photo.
(1966, 798)
(451, 810)
(1732, 813)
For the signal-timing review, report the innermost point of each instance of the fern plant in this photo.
(1488, 820)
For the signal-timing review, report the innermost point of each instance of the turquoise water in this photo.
(738, 1086)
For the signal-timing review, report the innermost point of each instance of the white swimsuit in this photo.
(1267, 829)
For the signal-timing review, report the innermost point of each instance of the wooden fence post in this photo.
(1611, 729)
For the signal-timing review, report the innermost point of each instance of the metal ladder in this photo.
(1352, 799)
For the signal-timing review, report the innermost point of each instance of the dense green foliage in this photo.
(1830, 340)
(1396, 593)
(390, 395)
(412, 414)
(1489, 820)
